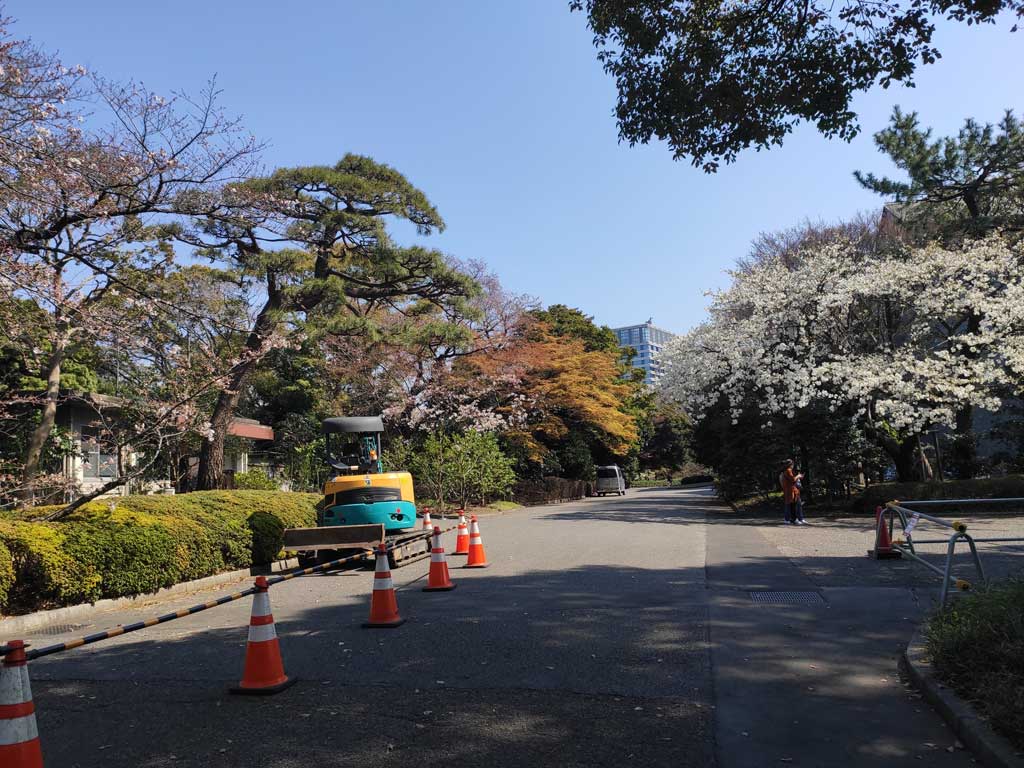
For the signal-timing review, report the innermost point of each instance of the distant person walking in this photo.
(793, 506)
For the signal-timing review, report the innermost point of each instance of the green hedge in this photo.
(1011, 486)
(6, 573)
(136, 544)
(551, 489)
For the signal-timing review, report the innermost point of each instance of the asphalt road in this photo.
(607, 630)
(584, 644)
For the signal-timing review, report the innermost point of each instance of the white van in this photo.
(610, 480)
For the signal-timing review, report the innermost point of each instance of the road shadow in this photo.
(684, 506)
(579, 667)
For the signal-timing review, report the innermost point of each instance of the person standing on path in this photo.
(793, 506)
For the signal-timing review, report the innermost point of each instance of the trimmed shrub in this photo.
(254, 480)
(977, 648)
(137, 544)
(44, 573)
(1011, 486)
(6, 574)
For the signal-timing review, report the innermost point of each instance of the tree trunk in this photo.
(904, 454)
(964, 452)
(905, 457)
(211, 456)
(805, 467)
(926, 466)
(41, 433)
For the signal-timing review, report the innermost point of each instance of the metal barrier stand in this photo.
(906, 546)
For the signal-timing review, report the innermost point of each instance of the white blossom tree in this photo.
(881, 330)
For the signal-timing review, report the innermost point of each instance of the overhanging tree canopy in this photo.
(714, 78)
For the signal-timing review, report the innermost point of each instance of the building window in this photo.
(99, 457)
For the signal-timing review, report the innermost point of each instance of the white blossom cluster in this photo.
(906, 338)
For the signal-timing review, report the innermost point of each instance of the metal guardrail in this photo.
(960, 502)
(905, 546)
(152, 622)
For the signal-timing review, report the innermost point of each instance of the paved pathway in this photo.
(606, 631)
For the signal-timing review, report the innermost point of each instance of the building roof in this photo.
(648, 324)
(354, 424)
(250, 428)
(239, 426)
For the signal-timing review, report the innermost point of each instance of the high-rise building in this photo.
(648, 340)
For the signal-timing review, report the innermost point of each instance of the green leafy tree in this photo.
(572, 323)
(668, 444)
(314, 240)
(464, 467)
(714, 78)
(969, 184)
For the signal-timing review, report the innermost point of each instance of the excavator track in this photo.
(320, 545)
(406, 548)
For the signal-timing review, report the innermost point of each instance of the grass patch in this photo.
(503, 506)
(976, 647)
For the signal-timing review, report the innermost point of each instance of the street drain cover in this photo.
(59, 629)
(788, 598)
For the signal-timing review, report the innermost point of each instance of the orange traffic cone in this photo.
(427, 525)
(264, 669)
(462, 536)
(477, 558)
(19, 738)
(438, 579)
(883, 544)
(383, 605)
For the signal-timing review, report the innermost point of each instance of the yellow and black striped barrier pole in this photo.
(152, 622)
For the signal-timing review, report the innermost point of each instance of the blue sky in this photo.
(501, 113)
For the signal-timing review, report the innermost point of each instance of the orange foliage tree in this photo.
(551, 390)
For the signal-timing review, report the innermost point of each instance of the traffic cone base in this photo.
(264, 669)
(438, 579)
(883, 549)
(476, 557)
(19, 736)
(383, 603)
(266, 690)
(447, 588)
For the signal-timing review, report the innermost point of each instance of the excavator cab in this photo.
(363, 505)
(354, 444)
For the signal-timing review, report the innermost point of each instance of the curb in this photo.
(74, 613)
(988, 746)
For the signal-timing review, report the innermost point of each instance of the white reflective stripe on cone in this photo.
(382, 584)
(382, 564)
(260, 633)
(475, 539)
(17, 730)
(437, 557)
(14, 685)
(261, 604)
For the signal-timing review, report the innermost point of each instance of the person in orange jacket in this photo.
(793, 506)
